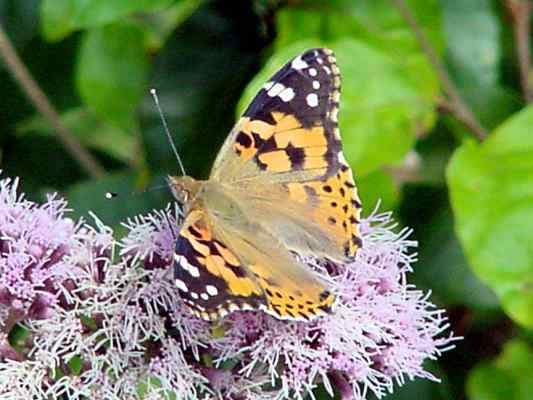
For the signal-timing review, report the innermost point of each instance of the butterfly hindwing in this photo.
(222, 267)
(210, 277)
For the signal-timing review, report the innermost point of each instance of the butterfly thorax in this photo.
(194, 194)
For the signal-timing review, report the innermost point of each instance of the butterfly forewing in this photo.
(289, 137)
(291, 124)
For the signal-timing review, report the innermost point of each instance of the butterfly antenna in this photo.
(165, 126)
(112, 195)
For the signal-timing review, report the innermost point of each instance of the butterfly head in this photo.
(184, 189)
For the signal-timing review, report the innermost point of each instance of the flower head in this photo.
(106, 314)
(381, 331)
(34, 240)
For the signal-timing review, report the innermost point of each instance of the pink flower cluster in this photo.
(105, 320)
(33, 242)
(381, 331)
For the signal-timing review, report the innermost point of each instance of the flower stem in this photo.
(520, 12)
(459, 109)
(44, 106)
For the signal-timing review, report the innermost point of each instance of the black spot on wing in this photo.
(296, 156)
(244, 140)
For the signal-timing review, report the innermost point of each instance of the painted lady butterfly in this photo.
(280, 185)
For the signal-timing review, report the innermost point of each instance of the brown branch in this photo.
(43, 105)
(520, 12)
(459, 109)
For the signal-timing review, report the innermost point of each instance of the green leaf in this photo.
(442, 267)
(90, 130)
(378, 25)
(374, 21)
(144, 385)
(378, 186)
(160, 24)
(382, 107)
(382, 104)
(57, 18)
(18, 335)
(112, 72)
(474, 58)
(509, 377)
(472, 31)
(491, 190)
(61, 17)
(75, 364)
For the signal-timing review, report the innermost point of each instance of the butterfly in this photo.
(280, 186)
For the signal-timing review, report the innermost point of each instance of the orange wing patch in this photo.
(336, 205)
(284, 145)
(293, 304)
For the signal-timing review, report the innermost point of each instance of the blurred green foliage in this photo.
(470, 202)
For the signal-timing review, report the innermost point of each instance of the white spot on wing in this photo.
(328, 71)
(341, 158)
(312, 100)
(183, 263)
(313, 72)
(298, 63)
(211, 290)
(334, 114)
(276, 89)
(268, 85)
(194, 295)
(287, 95)
(222, 312)
(316, 85)
(181, 285)
(204, 296)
